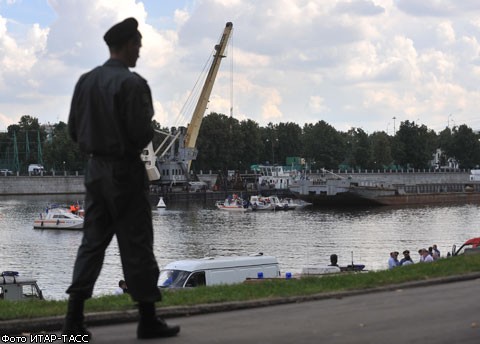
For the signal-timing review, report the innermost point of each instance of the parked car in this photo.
(5, 172)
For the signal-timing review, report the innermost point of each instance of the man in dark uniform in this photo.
(110, 120)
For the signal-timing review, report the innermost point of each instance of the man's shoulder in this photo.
(139, 78)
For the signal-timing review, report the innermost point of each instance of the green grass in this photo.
(258, 290)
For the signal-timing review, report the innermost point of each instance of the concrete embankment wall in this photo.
(41, 185)
(38, 185)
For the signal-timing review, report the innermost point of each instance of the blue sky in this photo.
(351, 63)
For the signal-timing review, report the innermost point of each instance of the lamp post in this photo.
(273, 151)
(448, 121)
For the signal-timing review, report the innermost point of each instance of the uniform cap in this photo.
(121, 32)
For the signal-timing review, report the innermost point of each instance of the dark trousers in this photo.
(117, 203)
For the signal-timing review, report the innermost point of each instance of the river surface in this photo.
(297, 238)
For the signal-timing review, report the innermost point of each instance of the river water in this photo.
(297, 238)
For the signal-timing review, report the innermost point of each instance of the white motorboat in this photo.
(233, 203)
(58, 218)
(290, 203)
(259, 203)
(161, 203)
(276, 202)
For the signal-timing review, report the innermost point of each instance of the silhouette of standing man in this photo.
(110, 120)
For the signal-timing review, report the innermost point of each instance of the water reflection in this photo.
(297, 238)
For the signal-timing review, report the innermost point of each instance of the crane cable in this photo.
(192, 99)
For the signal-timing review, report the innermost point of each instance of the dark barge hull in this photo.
(431, 198)
(354, 199)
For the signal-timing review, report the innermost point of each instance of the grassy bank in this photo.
(261, 290)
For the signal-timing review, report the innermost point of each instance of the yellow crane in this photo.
(195, 123)
(172, 165)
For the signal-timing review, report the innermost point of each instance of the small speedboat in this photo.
(290, 203)
(58, 218)
(233, 203)
(259, 203)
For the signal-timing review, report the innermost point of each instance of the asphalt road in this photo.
(442, 313)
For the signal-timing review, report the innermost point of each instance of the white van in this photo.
(35, 169)
(217, 270)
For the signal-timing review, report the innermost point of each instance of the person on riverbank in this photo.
(333, 260)
(425, 256)
(406, 260)
(122, 288)
(436, 252)
(393, 260)
(111, 121)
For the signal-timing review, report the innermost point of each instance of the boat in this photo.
(161, 203)
(330, 189)
(314, 270)
(276, 202)
(58, 218)
(259, 203)
(293, 204)
(274, 177)
(233, 203)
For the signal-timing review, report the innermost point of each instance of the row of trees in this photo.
(226, 143)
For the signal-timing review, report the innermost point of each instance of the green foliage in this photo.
(381, 150)
(225, 143)
(414, 145)
(255, 290)
(61, 152)
(465, 146)
(324, 147)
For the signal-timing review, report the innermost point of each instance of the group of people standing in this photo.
(426, 256)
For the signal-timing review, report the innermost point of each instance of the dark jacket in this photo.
(111, 112)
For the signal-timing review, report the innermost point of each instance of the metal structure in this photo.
(170, 162)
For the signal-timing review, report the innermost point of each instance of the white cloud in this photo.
(316, 104)
(355, 63)
(446, 32)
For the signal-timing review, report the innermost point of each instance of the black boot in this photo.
(74, 320)
(151, 326)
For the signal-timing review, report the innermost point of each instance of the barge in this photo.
(339, 191)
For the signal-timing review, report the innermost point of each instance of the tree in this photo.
(381, 150)
(27, 132)
(414, 145)
(466, 146)
(289, 142)
(250, 134)
(358, 153)
(324, 146)
(220, 143)
(61, 152)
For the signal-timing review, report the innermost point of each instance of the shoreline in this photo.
(55, 323)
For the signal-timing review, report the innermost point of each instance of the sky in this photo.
(368, 64)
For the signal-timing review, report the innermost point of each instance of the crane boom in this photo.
(196, 121)
(172, 165)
